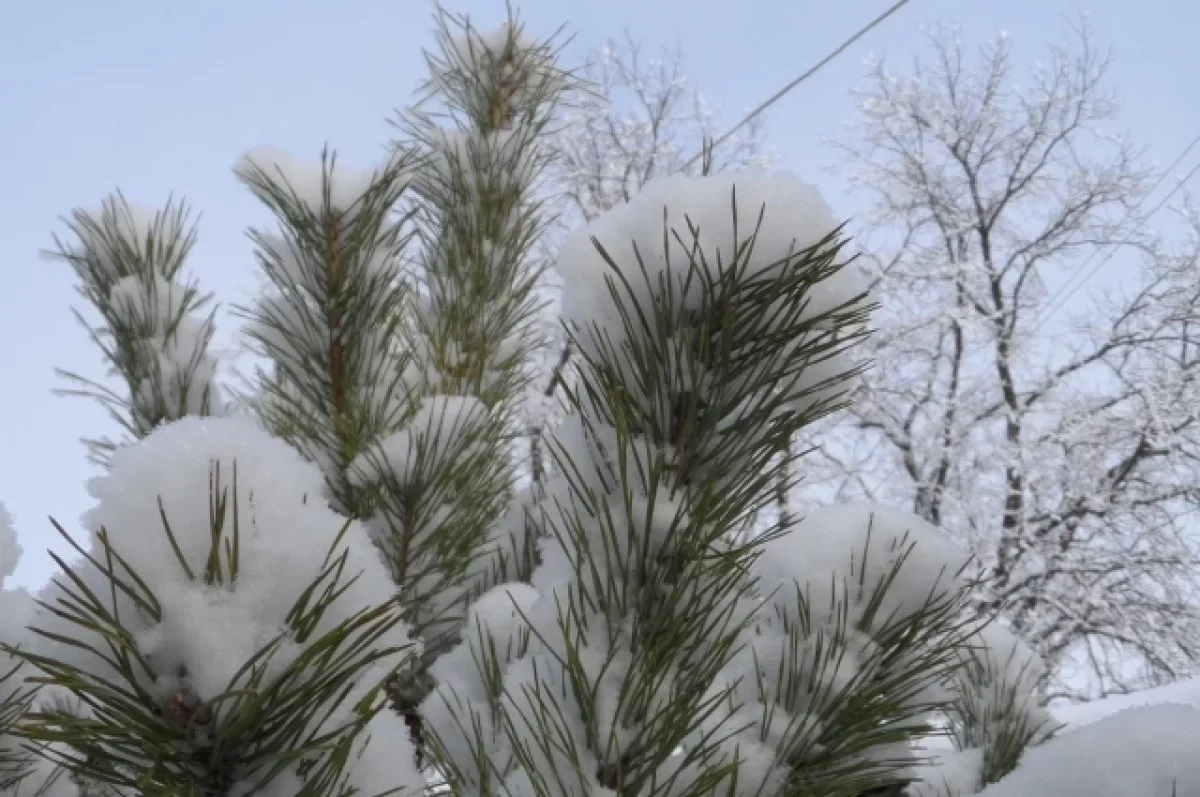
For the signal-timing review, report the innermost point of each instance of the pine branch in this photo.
(331, 323)
(155, 331)
(689, 378)
(437, 485)
(144, 712)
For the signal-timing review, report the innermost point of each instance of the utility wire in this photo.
(1112, 251)
(1057, 305)
(556, 375)
(1054, 303)
(774, 98)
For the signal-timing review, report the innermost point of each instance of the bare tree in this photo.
(1066, 462)
(634, 119)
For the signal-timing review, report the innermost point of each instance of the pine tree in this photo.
(15, 763)
(348, 589)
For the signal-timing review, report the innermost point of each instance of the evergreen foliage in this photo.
(352, 588)
(155, 331)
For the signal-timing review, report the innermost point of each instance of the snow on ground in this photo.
(1076, 715)
(1145, 751)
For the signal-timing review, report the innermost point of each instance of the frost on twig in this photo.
(635, 118)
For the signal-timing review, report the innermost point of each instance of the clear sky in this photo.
(156, 96)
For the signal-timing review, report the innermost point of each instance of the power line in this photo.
(1112, 251)
(1052, 310)
(812, 71)
(1055, 302)
(863, 31)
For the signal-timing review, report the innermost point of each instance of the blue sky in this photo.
(158, 97)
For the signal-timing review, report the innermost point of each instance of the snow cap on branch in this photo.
(286, 532)
(220, 530)
(856, 597)
(854, 550)
(107, 236)
(681, 218)
(320, 187)
(441, 433)
(758, 256)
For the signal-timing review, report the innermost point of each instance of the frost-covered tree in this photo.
(343, 588)
(1065, 460)
(634, 118)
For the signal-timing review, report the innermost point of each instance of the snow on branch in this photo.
(1149, 750)
(349, 589)
(224, 632)
(155, 331)
(329, 320)
(655, 652)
